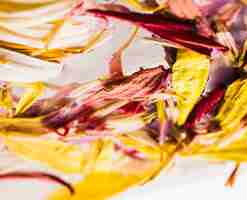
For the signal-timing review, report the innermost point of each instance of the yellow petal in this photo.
(189, 77)
(161, 111)
(98, 186)
(26, 125)
(113, 174)
(233, 147)
(234, 107)
(34, 92)
(14, 7)
(150, 151)
(6, 99)
(58, 155)
(142, 7)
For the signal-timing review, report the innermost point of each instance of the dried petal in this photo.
(175, 31)
(143, 6)
(56, 154)
(233, 109)
(35, 90)
(116, 63)
(205, 106)
(6, 101)
(111, 169)
(136, 86)
(189, 78)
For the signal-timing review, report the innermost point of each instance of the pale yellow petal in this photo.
(189, 78)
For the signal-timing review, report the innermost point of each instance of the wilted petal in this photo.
(179, 32)
(205, 106)
(21, 68)
(189, 78)
(135, 86)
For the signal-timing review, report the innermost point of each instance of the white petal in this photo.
(21, 68)
(94, 64)
(42, 10)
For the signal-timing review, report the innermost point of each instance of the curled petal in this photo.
(205, 106)
(136, 86)
(179, 32)
(21, 68)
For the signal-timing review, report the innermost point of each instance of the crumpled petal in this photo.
(172, 30)
(189, 78)
(56, 154)
(35, 90)
(22, 68)
(233, 109)
(109, 170)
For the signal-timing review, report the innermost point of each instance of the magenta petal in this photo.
(179, 32)
(190, 40)
(148, 19)
(205, 106)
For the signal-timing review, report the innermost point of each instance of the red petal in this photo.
(180, 32)
(205, 106)
(148, 19)
(137, 85)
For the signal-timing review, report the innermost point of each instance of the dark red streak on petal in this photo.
(189, 40)
(91, 123)
(131, 108)
(67, 114)
(63, 132)
(156, 20)
(205, 106)
(133, 153)
(180, 32)
(37, 175)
